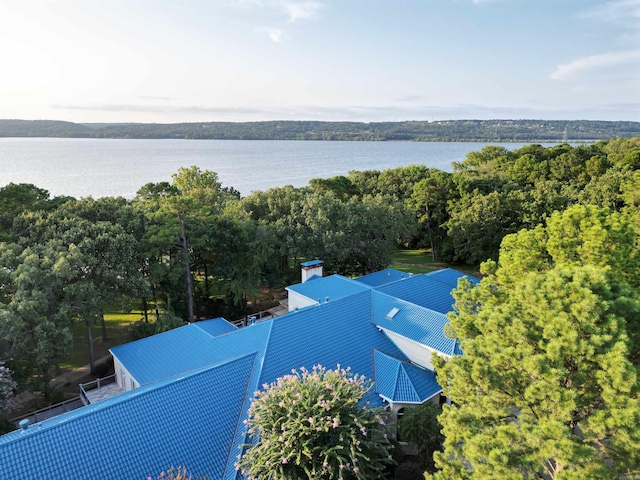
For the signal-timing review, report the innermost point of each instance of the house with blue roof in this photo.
(186, 392)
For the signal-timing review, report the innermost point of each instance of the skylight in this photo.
(392, 313)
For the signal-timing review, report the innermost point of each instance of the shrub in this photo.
(312, 424)
(179, 473)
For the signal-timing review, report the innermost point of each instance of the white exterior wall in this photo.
(417, 352)
(308, 272)
(297, 301)
(123, 378)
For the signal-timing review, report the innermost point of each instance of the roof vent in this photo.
(392, 313)
(24, 424)
(326, 299)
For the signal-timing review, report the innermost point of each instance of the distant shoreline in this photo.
(481, 131)
(545, 141)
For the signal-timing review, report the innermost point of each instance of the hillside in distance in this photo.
(419, 131)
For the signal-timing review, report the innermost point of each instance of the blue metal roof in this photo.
(412, 321)
(216, 326)
(334, 287)
(335, 333)
(422, 290)
(450, 276)
(195, 418)
(166, 354)
(401, 381)
(311, 263)
(383, 277)
(187, 420)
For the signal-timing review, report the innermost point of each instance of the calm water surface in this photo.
(108, 167)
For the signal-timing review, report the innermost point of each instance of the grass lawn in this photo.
(117, 332)
(419, 261)
(411, 268)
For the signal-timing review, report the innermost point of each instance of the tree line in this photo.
(193, 248)
(417, 131)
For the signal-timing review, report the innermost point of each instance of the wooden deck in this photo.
(98, 394)
(99, 389)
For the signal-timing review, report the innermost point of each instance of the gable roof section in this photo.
(450, 276)
(402, 382)
(216, 326)
(335, 333)
(422, 290)
(412, 321)
(186, 348)
(333, 286)
(186, 420)
(383, 277)
(166, 354)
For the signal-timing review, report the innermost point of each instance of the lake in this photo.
(119, 167)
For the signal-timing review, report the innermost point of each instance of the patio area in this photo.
(99, 389)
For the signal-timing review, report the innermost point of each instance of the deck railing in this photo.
(45, 413)
(92, 385)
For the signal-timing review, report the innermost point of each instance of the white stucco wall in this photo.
(299, 301)
(308, 272)
(123, 378)
(417, 352)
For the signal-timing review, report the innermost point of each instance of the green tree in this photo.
(478, 223)
(419, 426)
(430, 200)
(580, 235)
(340, 186)
(355, 237)
(546, 387)
(16, 199)
(35, 323)
(312, 424)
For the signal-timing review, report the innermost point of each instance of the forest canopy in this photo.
(194, 248)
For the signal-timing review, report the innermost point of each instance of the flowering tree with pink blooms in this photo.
(7, 388)
(314, 425)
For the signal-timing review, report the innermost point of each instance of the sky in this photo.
(167, 61)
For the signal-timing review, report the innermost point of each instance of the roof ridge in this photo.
(240, 417)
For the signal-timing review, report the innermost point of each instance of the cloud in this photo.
(299, 10)
(136, 108)
(594, 62)
(621, 12)
(151, 97)
(294, 9)
(275, 34)
(376, 113)
(409, 98)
